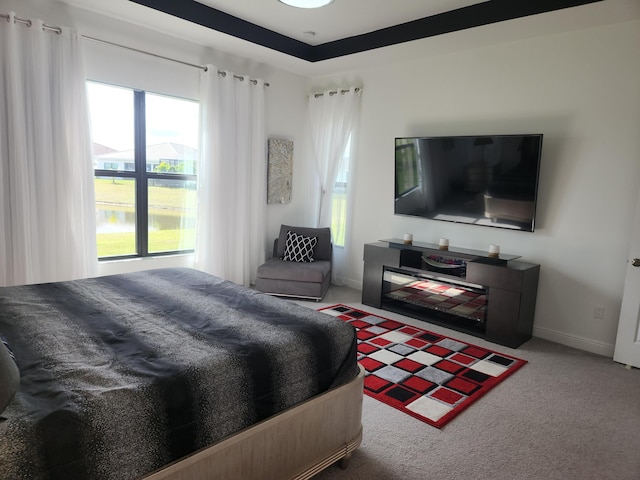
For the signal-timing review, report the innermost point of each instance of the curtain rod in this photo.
(335, 92)
(58, 30)
(28, 23)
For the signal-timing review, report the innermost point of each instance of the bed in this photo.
(174, 374)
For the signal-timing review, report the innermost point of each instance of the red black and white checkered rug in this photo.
(429, 376)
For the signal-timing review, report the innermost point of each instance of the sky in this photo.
(168, 119)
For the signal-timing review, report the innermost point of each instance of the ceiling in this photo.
(338, 20)
(350, 34)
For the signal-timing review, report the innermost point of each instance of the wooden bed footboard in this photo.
(295, 444)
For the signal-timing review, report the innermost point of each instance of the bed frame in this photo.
(295, 444)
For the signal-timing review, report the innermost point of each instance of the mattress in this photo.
(123, 374)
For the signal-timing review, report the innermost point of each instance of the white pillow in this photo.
(299, 248)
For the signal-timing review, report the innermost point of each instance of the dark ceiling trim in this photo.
(452, 21)
(485, 13)
(223, 22)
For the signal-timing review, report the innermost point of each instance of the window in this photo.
(339, 199)
(145, 149)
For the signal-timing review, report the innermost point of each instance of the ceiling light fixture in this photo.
(306, 3)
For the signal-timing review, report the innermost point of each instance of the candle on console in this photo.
(408, 238)
(494, 251)
(443, 244)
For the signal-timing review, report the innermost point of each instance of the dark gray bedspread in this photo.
(123, 374)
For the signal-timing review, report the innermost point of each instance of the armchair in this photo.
(290, 272)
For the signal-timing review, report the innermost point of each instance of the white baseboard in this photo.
(356, 285)
(581, 343)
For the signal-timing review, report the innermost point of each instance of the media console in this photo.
(465, 290)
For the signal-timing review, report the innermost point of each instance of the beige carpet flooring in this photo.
(565, 415)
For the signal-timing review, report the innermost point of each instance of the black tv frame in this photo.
(486, 180)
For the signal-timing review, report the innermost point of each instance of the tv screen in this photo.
(489, 180)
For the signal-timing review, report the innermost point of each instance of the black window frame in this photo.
(142, 177)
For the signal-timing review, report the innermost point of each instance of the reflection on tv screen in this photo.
(481, 180)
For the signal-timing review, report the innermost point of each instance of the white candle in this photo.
(494, 251)
(408, 238)
(444, 242)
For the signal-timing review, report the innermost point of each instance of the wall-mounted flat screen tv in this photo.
(489, 180)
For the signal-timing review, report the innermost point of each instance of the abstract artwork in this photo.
(280, 170)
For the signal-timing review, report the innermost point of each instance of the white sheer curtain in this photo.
(332, 125)
(47, 206)
(232, 177)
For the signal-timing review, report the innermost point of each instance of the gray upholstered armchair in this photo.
(300, 266)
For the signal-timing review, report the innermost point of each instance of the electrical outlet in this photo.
(598, 312)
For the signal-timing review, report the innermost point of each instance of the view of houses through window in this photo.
(145, 150)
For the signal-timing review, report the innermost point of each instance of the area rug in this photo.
(429, 376)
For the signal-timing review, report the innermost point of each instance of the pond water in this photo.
(120, 221)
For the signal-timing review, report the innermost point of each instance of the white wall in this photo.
(582, 91)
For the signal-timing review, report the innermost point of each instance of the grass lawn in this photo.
(338, 220)
(118, 194)
(116, 244)
(122, 191)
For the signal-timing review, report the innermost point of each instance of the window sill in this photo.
(126, 265)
